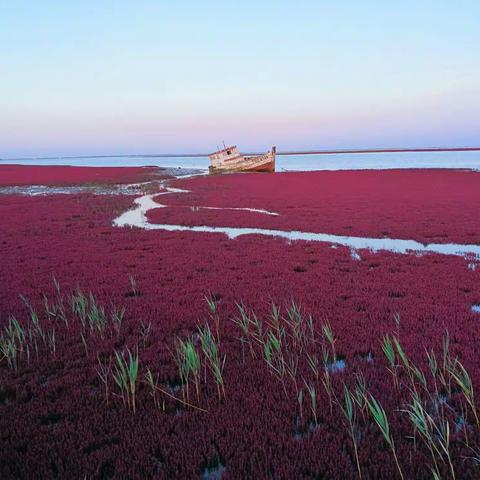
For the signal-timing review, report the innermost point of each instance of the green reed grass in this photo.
(389, 352)
(212, 306)
(273, 355)
(328, 335)
(125, 376)
(35, 325)
(296, 321)
(216, 364)
(348, 409)
(189, 364)
(59, 306)
(435, 434)
(243, 323)
(117, 316)
(11, 341)
(462, 378)
(314, 365)
(79, 305)
(97, 318)
(360, 391)
(381, 419)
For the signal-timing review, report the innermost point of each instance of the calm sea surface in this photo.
(469, 160)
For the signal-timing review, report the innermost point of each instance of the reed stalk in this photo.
(381, 420)
(212, 306)
(313, 400)
(349, 412)
(103, 371)
(462, 378)
(125, 376)
(216, 364)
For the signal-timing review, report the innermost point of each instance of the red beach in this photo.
(59, 394)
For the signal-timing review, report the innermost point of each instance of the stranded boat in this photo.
(231, 160)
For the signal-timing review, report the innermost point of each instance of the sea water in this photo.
(303, 162)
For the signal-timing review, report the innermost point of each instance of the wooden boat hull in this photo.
(260, 163)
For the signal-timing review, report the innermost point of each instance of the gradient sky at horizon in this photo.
(158, 76)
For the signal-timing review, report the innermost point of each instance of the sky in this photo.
(111, 77)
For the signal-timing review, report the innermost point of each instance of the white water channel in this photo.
(136, 217)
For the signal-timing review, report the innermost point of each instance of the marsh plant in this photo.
(313, 400)
(152, 382)
(438, 402)
(93, 316)
(13, 343)
(56, 309)
(133, 286)
(214, 316)
(117, 316)
(215, 362)
(103, 369)
(461, 377)
(349, 412)
(434, 433)
(189, 365)
(251, 330)
(125, 375)
(19, 339)
(381, 419)
(328, 335)
(389, 352)
(145, 330)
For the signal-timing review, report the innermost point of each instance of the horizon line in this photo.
(284, 153)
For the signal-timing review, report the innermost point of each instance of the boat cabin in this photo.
(224, 156)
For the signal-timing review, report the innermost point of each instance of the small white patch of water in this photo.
(476, 308)
(244, 209)
(173, 190)
(337, 366)
(355, 255)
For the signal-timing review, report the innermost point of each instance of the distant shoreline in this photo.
(285, 153)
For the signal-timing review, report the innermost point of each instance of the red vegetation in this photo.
(65, 175)
(430, 206)
(54, 422)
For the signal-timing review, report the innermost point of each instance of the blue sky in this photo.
(162, 76)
